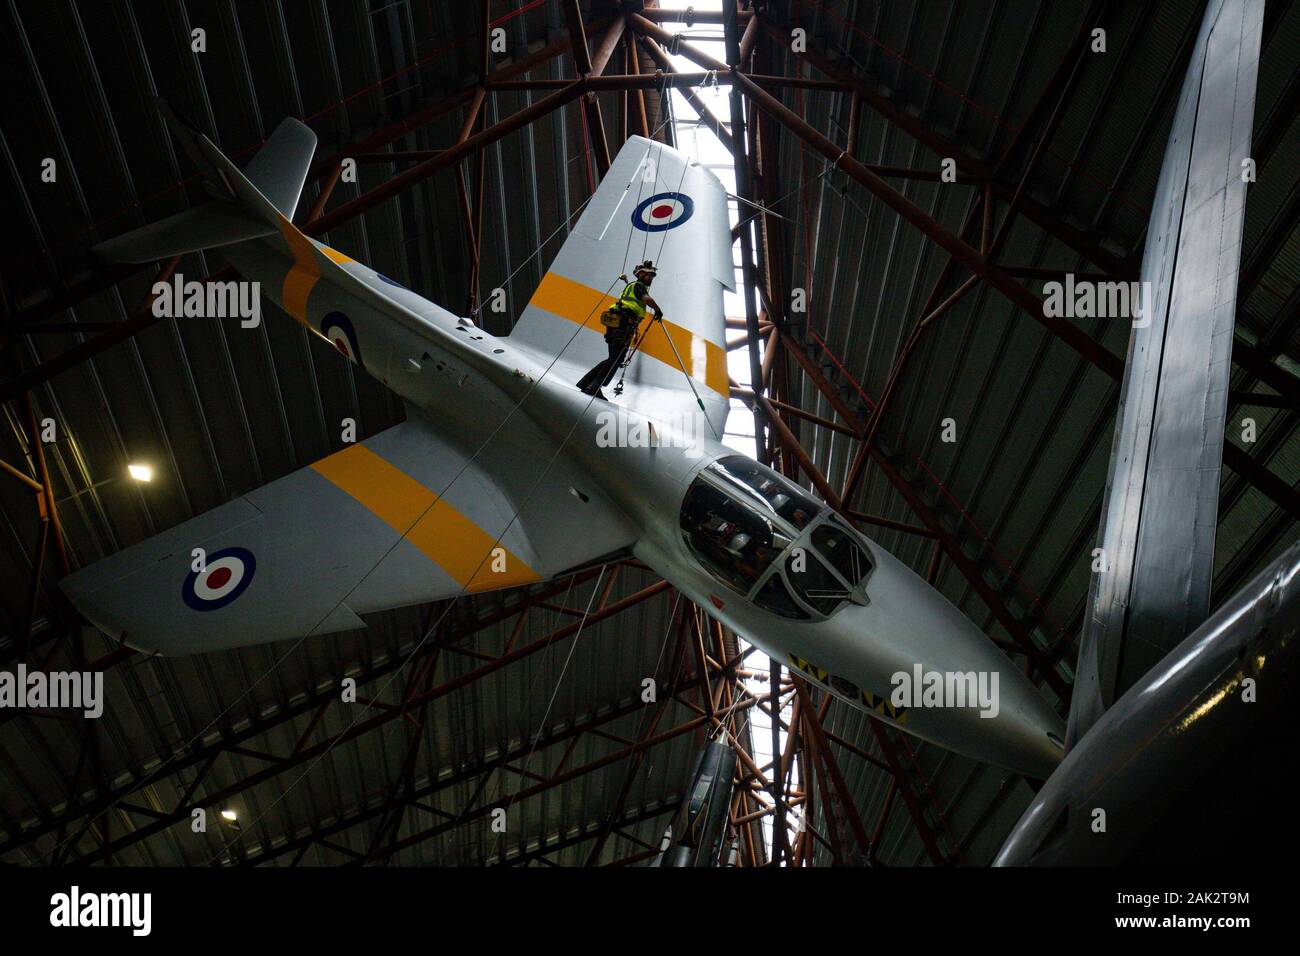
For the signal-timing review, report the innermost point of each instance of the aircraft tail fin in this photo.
(279, 169)
(654, 203)
(245, 205)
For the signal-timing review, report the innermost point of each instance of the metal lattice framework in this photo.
(709, 685)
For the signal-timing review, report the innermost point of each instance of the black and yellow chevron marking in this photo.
(878, 705)
(816, 673)
(884, 708)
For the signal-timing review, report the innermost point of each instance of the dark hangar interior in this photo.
(531, 697)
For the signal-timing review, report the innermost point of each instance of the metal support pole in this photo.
(590, 104)
(741, 155)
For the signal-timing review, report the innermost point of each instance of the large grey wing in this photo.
(404, 517)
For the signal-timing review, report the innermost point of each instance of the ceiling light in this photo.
(140, 472)
(229, 815)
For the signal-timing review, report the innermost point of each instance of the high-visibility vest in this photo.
(630, 302)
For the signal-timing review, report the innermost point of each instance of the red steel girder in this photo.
(317, 702)
(841, 793)
(597, 764)
(360, 728)
(1239, 461)
(590, 104)
(570, 732)
(969, 569)
(1082, 242)
(970, 257)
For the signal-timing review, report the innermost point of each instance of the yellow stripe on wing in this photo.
(443, 534)
(582, 304)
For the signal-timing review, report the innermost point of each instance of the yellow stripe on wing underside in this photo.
(582, 304)
(443, 534)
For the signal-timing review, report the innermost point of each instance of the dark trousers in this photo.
(617, 341)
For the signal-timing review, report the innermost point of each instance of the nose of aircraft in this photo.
(910, 629)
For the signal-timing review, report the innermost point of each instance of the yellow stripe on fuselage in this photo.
(303, 274)
(443, 534)
(582, 304)
(305, 271)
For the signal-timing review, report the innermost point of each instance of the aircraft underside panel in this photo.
(1161, 506)
(404, 517)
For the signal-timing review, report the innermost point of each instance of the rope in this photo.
(510, 278)
(627, 360)
(827, 169)
(514, 517)
(298, 643)
(451, 603)
(573, 646)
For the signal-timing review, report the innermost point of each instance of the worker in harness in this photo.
(621, 321)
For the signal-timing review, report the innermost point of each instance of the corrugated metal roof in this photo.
(1022, 485)
(223, 413)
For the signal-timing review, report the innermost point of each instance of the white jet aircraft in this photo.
(505, 474)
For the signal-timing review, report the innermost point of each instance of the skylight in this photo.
(699, 142)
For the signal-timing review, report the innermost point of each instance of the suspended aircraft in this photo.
(701, 821)
(504, 474)
(1181, 721)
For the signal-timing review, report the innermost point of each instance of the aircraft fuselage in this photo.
(889, 626)
(891, 623)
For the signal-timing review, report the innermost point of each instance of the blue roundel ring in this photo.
(662, 211)
(226, 575)
(337, 327)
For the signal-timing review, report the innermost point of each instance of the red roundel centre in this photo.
(662, 212)
(341, 345)
(219, 578)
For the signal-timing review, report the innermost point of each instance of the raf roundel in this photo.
(663, 211)
(226, 575)
(337, 327)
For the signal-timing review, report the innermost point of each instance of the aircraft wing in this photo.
(1160, 511)
(405, 517)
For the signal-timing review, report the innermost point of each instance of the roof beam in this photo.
(315, 702)
(590, 104)
(360, 728)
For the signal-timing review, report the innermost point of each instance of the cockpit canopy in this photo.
(764, 537)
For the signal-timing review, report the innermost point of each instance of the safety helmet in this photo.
(646, 268)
